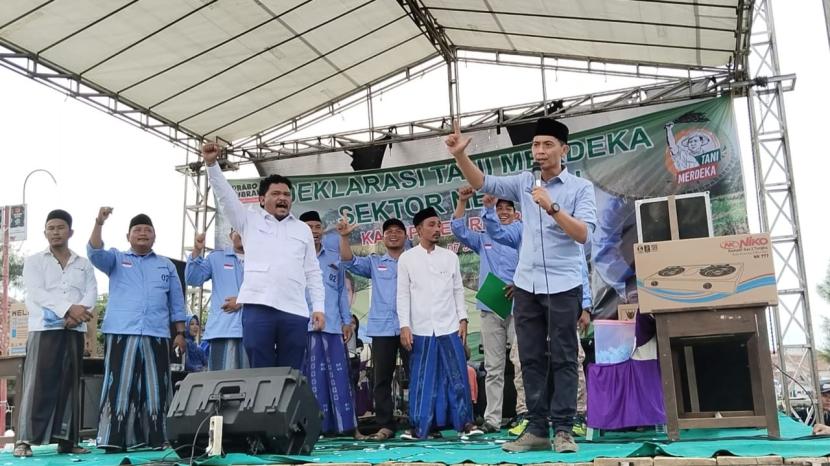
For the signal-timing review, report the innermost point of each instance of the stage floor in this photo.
(703, 445)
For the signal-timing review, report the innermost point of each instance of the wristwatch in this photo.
(554, 208)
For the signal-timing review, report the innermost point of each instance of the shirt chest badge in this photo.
(382, 268)
(488, 246)
(126, 264)
(228, 266)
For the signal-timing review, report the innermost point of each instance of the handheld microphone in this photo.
(536, 169)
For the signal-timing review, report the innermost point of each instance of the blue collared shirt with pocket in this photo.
(383, 309)
(549, 259)
(511, 236)
(223, 269)
(493, 257)
(337, 308)
(145, 294)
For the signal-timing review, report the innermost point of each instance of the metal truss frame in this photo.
(778, 211)
(197, 216)
(277, 142)
(72, 85)
(763, 85)
(673, 90)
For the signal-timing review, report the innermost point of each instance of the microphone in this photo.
(536, 170)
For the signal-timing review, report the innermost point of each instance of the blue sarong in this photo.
(227, 354)
(327, 370)
(439, 394)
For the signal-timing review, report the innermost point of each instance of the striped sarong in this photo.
(136, 392)
(439, 395)
(50, 401)
(327, 370)
(227, 354)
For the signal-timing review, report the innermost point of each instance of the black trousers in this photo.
(385, 352)
(546, 333)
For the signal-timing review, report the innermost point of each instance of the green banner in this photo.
(685, 149)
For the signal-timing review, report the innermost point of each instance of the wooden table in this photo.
(679, 331)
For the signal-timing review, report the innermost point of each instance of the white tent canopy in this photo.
(232, 69)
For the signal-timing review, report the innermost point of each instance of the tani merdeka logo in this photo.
(692, 154)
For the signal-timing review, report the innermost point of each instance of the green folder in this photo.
(491, 294)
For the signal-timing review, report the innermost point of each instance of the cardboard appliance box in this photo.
(705, 273)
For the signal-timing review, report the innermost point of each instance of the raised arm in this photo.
(670, 138)
(344, 228)
(95, 239)
(226, 197)
(101, 259)
(457, 146)
(508, 235)
(458, 225)
(198, 270)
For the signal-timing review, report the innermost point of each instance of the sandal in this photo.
(382, 434)
(70, 448)
(22, 450)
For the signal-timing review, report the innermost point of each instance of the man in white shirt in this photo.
(60, 292)
(280, 263)
(433, 320)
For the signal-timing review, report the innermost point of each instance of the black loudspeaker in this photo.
(180, 265)
(267, 410)
(91, 386)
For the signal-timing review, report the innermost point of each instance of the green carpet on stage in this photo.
(796, 441)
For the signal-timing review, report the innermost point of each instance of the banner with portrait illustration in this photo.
(684, 149)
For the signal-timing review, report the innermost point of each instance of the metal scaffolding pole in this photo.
(778, 212)
(197, 217)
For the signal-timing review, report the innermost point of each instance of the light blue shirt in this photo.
(511, 236)
(145, 294)
(336, 307)
(549, 259)
(224, 270)
(383, 309)
(493, 257)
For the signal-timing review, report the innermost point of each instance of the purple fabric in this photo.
(363, 396)
(628, 394)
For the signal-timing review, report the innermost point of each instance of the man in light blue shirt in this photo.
(558, 214)
(496, 332)
(511, 235)
(145, 297)
(223, 267)
(327, 364)
(383, 325)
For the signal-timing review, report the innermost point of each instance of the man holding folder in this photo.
(496, 330)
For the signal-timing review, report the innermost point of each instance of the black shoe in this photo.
(517, 419)
(488, 428)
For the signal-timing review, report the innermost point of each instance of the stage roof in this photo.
(232, 69)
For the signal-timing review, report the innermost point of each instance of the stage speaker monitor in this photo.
(693, 217)
(267, 410)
